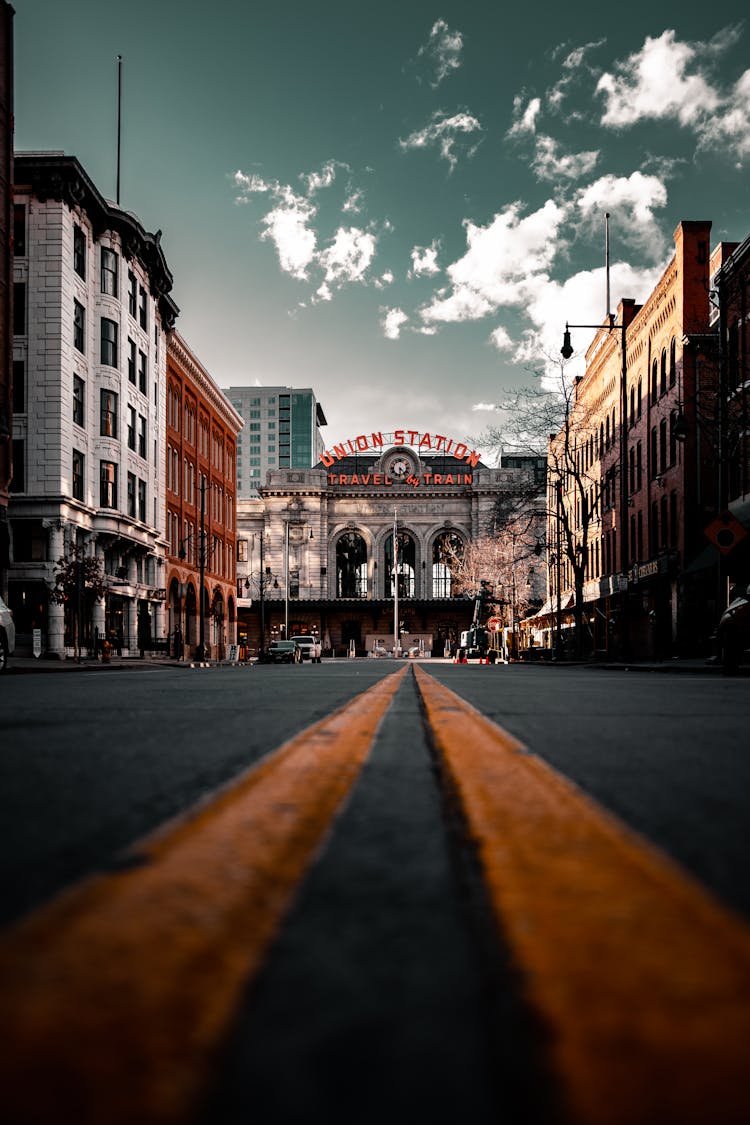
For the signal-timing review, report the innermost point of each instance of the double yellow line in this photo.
(115, 999)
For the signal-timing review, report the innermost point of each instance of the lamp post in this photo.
(566, 351)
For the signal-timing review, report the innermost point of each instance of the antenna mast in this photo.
(608, 314)
(119, 119)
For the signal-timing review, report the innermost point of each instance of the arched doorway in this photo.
(218, 625)
(447, 552)
(407, 565)
(191, 619)
(351, 566)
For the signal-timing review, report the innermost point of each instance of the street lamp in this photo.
(566, 351)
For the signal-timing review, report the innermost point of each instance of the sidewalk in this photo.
(29, 664)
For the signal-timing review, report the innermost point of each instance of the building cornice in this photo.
(56, 176)
(208, 388)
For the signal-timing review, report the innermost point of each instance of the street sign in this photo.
(725, 532)
(495, 624)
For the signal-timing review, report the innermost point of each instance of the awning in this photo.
(549, 609)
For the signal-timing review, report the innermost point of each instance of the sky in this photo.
(398, 204)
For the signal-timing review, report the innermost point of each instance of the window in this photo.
(141, 436)
(654, 380)
(662, 445)
(19, 386)
(79, 327)
(79, 252)
(19, 230)
(143, 308)
(107, 484)
(18, 480)
(640, 397)
(672, 362)
(673, 526)
(132, 294)
(110, 265)
(142, 372)
(663, 381)
(109, 342)
(638, 465)
(142, 501)
(654, 451)
(19, 309)
(131, 495)
(131, 361)
(79, 392)
(108, 415)
(78, 466)
(131, 428)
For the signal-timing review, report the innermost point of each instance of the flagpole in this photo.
(395, 582)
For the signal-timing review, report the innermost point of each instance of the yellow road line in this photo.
(115, 998)
(642, 979)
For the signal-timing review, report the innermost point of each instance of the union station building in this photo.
(316, 549)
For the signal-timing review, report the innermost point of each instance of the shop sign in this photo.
(422, 441)
(649, 569)
(382, 480)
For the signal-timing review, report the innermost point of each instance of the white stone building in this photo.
(90, 347)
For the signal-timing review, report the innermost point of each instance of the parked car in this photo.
(7, 636)
(733, 633)
(283, 652)
(310, 647)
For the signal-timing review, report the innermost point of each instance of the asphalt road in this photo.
(388, 992)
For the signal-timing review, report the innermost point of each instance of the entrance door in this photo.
(351, 631)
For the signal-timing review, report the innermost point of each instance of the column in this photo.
(55, 641)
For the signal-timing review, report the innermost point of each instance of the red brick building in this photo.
(645, 483)
(201, 508)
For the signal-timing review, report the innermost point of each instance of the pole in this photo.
(624, 501)
(606, 262)
(395, 583)
(202, 564)
(262, 587)
(119, 122)
(286, 580)
(558, 568)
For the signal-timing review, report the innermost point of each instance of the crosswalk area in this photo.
(400, 914)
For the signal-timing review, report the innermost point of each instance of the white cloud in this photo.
(499, 260)
(662, 80)
(392, 322)
(501, 339)
(443, 50)
(631, 201)
(549, 163)
(524, 119)
(353, 202)
(384, 280)
(447, 134)
(348, 256)
(287, 227)
(732, 129)
(322, 179)
(488, 406)
(424, 260)
(573, 64)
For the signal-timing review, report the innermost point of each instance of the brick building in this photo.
(642, 490)
(201, 506)
(6, 280)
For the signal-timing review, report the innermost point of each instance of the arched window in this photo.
(351, 566)
(654, 380)
(407, 561)
(632, 406)
(448, 549)
(672, 362)
(640, 397)
(663, 385)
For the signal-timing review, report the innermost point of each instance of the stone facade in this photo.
(318, 548)
(88, 447)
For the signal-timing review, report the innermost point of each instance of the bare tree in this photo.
(500, 566)
(548, 419)
(78, 584)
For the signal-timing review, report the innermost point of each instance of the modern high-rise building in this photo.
(281, 431)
